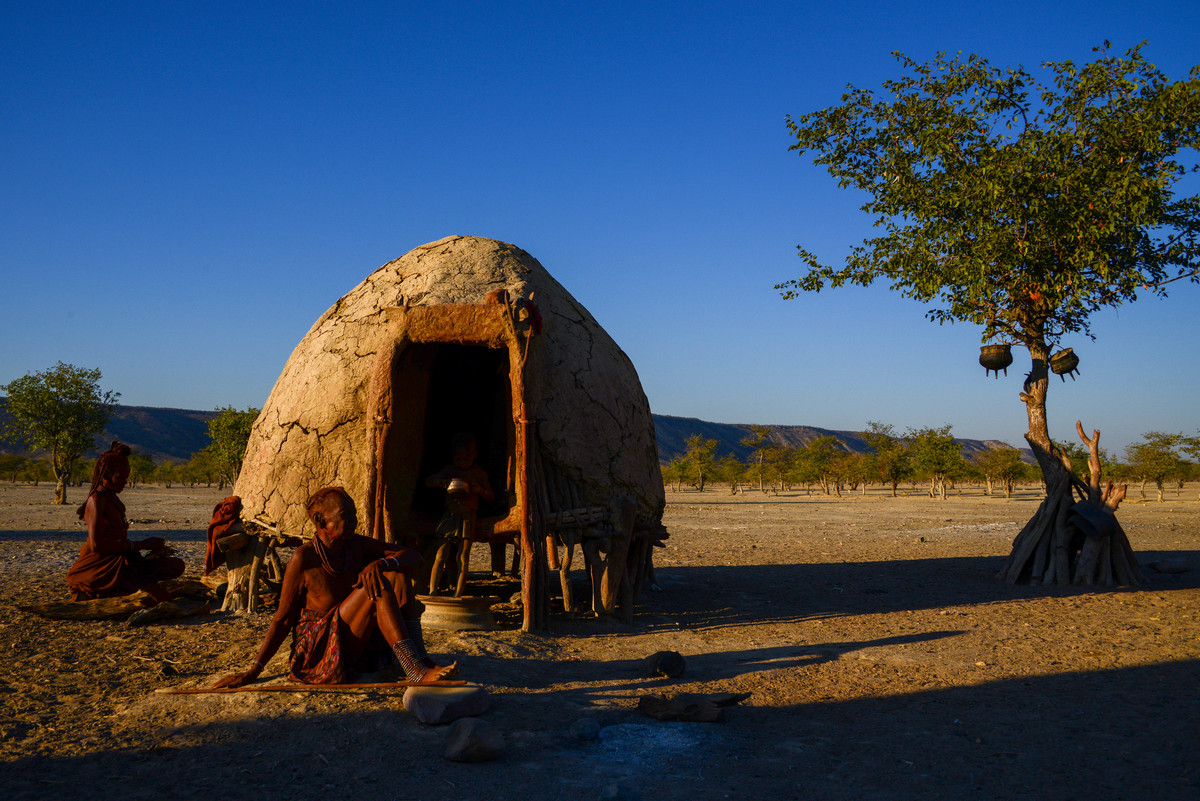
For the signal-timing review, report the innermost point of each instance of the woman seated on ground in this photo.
(109, 563)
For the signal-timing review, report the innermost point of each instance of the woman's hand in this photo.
(239, 679)
(372, 580)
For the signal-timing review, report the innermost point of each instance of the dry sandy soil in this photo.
(884, 662)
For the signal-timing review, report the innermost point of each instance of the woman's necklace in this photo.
(323, 551)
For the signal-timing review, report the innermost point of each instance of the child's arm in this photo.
(440, 478)
(482, 486)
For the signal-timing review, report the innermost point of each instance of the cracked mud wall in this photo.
(313, 431)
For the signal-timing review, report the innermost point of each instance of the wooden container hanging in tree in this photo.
(996, 357)
(1065, 363)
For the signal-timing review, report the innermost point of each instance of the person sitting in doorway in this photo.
(465, 483)
(346, 600)
(110, 564)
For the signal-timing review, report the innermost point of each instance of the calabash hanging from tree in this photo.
(1023, 207)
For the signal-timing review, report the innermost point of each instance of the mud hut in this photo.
(468, 334)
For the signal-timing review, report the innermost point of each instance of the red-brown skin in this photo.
(107, 537)
(463, 468)
(369, 594)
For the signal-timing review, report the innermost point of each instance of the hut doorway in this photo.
(468, 391)
(438, 389)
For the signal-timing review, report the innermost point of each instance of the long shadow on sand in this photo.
(700, 598)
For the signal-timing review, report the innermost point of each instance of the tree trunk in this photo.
(1073, 542)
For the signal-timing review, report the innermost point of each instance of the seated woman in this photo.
(109, 563)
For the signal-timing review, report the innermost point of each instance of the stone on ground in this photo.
(436, 705)
(473, 740)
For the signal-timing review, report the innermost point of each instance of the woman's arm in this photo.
(101, 538)
(291, 602)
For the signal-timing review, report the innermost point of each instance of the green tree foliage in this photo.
(37, 471)
(935, 456)
(730, 470)
(675, 471)
(1003, 466)
(200, 469)
(11, 465)
(1156, 458)
(758, 440)
(701, 457)
(1013, 203)
(60, 410)
(229, 432)
(819, 461)
(141, 468)
(889, 462)
(167, 473)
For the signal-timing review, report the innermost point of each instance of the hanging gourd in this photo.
(1065, 363)
(995, 357)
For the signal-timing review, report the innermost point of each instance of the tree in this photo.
(37, 471)
(11, 465)
(1017, 205)
(229, 432)
(141, 467)
(758, 440)
(676, 470)
(889, 461)
(60, 410)
(1191, 446)
(166, 473)
(936, 456)
(1001, 465)
(730, 469)
(700, 457)
(819, 461)
(1156, 459)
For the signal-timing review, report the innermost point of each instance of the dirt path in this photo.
(883, 660)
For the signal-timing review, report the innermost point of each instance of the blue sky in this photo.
(188, 186)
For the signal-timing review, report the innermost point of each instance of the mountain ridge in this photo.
(170, 434)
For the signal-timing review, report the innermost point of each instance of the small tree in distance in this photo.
(229, 432)
(936, 456)
(61, 410)
(1156, 458)
(758, 440)
(700, 457)
(890, 460)
(1022, 207)
(1002, 465)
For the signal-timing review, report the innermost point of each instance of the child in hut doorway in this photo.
(465, 483)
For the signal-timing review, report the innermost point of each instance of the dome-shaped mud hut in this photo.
(466, 334)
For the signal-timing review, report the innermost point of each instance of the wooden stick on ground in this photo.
(308, 688)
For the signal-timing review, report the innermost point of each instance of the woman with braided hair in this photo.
(109, 563)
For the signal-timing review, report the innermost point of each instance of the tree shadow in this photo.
(629, 674)
(711, 597)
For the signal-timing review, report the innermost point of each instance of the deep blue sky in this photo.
(188, 186)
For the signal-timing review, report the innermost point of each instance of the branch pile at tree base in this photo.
(1071, 541)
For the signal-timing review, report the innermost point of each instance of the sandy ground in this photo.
(884, 662)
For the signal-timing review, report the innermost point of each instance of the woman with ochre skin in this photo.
(109, 563)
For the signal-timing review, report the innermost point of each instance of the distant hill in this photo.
(166, 434)
(176, 434)
(673, 432)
